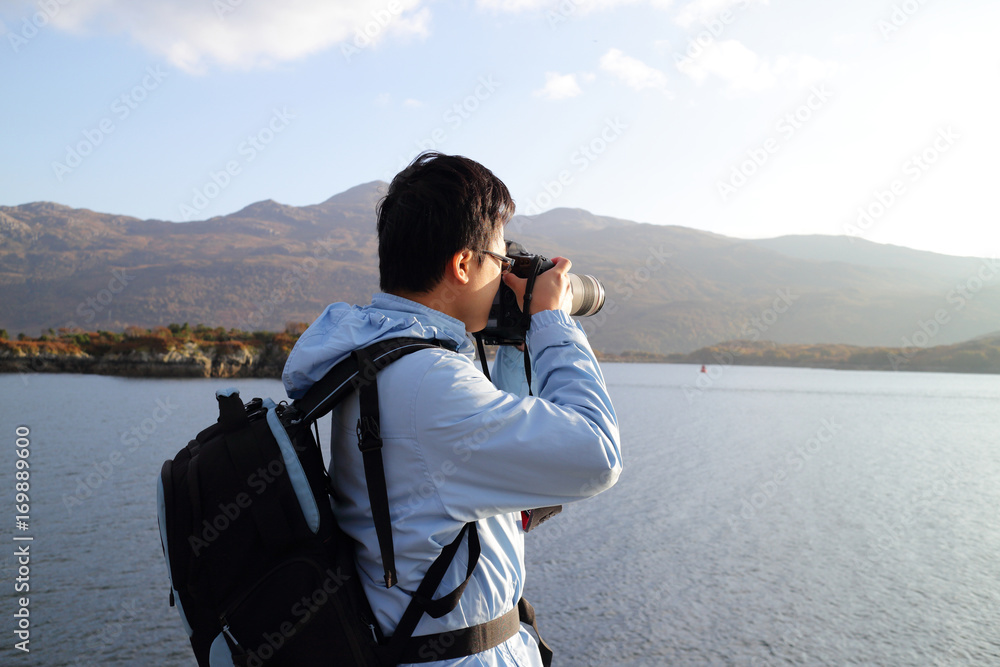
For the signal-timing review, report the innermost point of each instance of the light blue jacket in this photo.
(458, 449)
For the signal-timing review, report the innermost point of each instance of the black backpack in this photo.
(261, 573)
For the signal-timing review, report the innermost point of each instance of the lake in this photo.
(765, 516)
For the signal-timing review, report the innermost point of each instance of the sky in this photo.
(748, 118)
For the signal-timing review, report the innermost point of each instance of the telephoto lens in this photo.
(588, 291)
(588, 295)
(507, 325)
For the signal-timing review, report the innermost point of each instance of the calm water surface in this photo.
(766, 516)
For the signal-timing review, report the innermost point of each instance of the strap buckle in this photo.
(369, 434)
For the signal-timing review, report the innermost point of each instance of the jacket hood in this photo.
(343, 328)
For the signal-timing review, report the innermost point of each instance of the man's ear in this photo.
(458, 267)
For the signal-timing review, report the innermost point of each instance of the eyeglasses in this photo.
(505, 262)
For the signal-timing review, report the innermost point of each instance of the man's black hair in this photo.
(437, 206)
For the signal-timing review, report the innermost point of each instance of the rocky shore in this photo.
(263, 356)
(190, 360)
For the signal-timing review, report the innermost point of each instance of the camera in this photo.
(507, 324)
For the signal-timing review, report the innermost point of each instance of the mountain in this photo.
(980, 355)
(853, 250)
(670, 289)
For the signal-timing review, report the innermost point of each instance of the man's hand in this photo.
(552, 288)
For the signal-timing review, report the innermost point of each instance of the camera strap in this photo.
(524, 324)
(529, 290)
(482, 355)
(486, 368)
(527, 370)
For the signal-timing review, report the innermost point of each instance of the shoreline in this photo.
(180, 352)
(271, 369)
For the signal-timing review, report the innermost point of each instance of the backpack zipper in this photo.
(225, 631)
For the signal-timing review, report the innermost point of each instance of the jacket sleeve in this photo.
(508, 370)
(500, 453)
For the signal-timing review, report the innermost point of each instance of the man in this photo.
(457, 449)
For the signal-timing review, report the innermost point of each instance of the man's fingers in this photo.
(551, 292)
(563, 265)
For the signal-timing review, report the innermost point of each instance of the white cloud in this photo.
(731, 61)
(411, 103)
(745, 71)
(514, 5)
(802, 71)
(635, 73)
(559, 86)
(244, 34)
(562, 7)
(703, 11)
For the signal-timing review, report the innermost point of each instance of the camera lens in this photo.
(588, 295)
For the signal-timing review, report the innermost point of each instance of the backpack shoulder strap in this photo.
(423, 600)
(370, 360)
(359, 372)
(345, 377)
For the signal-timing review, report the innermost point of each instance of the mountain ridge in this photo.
(670, 288)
